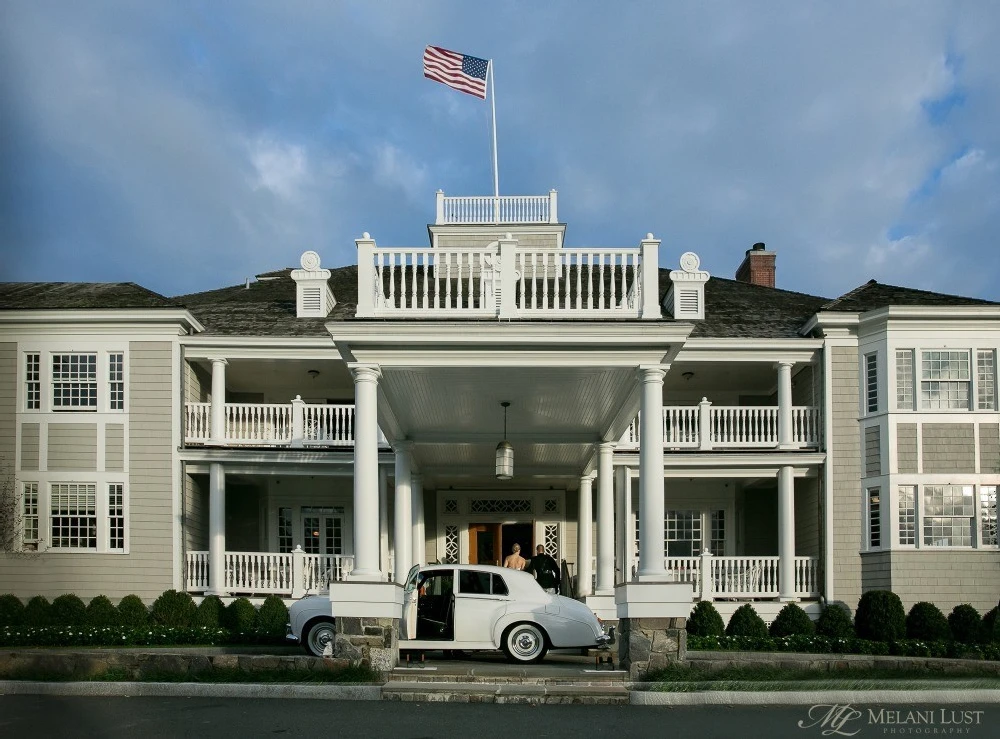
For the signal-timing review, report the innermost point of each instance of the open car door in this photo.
(410, 595)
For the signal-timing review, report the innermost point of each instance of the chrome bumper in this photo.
(606, 640)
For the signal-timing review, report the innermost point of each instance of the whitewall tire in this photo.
(524, 643)
(319, 636)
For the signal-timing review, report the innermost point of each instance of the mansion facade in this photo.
(639, 418)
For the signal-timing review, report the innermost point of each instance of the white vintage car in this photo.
(468, 608)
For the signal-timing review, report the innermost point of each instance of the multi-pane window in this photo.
(904, 379)
(284, 529)
(32, 382)
(334, 536)
(718, 540)
(874, 518)
(74, 515)
(29, 513)
(310, 534)
(116, 381)
(944, 379)
(116, 516)
(871, 382)
(907, 515)
(683, 534)
(74, 382)
(949, 515)
(986, 380)
(988, 515)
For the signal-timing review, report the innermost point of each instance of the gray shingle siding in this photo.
(948, 447)
(989, 448)
(845, 458)
(906, 448)
(873, 452)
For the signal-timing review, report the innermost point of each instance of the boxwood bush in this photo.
(792, 620)
(133, 612)
(966, 624)
(746, 622)
(173, 609)
(38, 612)
(241, 617)
(835, 622)
(991, 629)
(272, 618)
(880, 616)
(705, 620)
(68, 610)
(11, 610)
(101, 612)
(210, 612)
(925, 621)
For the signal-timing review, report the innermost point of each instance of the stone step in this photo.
(466, 692)
(430, 676)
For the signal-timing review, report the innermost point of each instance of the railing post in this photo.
(298, 421)
(298, 572)
(553, 206)
(705, 424)
(650, 257)
(706, 586)
(439, 202)
(508, 283)
(366, 276)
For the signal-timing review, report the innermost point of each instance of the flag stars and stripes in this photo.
(458, 71)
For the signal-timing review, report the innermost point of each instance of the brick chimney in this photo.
(757, 267)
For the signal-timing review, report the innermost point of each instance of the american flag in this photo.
(461, 72)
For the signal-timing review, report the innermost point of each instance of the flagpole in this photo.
(493, 100)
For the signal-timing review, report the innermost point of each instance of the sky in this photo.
(188, 145)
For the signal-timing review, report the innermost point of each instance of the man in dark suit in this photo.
(545, 569)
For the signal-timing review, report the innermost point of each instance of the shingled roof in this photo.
(93, 295)
(874, 295)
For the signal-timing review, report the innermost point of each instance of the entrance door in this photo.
(322, 531)
(517, 533)
(485, 546)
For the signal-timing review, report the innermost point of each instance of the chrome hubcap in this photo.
(525, 643)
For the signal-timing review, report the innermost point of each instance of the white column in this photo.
(784, 404)
(383, 517)
(623, 515)
(605, 520)
(786, 534)
(419, 539)
(584, 536)
(216, 529)
(402, 548)
(366, 560)
(651, 507)
(218, 424)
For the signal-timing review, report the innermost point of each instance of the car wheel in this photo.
(319, 635)
(524, 643)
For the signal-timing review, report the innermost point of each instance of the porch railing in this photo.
(498, 210)
(741, 577)
(707, 427)
(265, 573)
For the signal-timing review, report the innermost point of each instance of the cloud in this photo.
(280, 167)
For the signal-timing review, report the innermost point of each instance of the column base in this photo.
(652, 621)
(603, 606)
(365, 576)
(218, 593)
(788, 599)
(367, 616)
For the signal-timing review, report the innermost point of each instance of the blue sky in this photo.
(188, 145)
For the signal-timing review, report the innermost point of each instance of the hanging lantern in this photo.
(505, 452)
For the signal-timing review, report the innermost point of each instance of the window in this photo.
(986, 380)
(907, 515)
(871, 382)
(683, 533)
(310, 534)
(74, 382)
(29, 513)
(949, 515)
(32, 382)
(874, 519)
(944, 380)
(116, 516)
(499, 586)
(74, 516)
(988, 515)
(473, 582)
(284, 529)
(904, 379)
(717, 545)
(116, 381)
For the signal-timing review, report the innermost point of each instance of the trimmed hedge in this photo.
(827, 645)
(880, 617)
(991, 628)
(272, 618)
(966, 624)
(101, 612)
(132, 612)
(210, 612)
(835, 622)
(792, 620)
(68, 610)
(173, 609)
(38, 612)
(926, 622)
(705, 620)
(241, 617)
(11, 610)
(746, 622)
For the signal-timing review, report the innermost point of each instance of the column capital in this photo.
(365, 372)
(607, 446)
(402, 445)
(781, 363)
(416, 478)
(218, 360)
(588, 480)
(652, 373)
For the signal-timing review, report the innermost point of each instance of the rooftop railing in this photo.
(489, 210)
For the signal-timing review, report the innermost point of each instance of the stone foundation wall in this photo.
(366, 640)
(646, 644)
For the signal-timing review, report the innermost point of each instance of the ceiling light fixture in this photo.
(505, 452)
(687, 376)
(313, 373)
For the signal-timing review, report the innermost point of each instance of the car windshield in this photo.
(411, 579)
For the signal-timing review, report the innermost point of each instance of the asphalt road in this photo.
(153, 718)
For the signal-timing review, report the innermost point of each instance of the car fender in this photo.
(307, 609)
(561, 631)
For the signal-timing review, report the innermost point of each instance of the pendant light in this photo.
(505, 452)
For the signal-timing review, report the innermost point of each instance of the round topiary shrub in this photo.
(38, 612)
(791, 621)
(68, 610)
(241, 617)
(835, 622)
(101, 612)
(11, 610)
(746, 622)
(705, 621)
(991, 629)
(925, 621)
(173, 609)
(272, 618)
(133, 612)
(880, 616)
(966, 624)
(210, 612)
